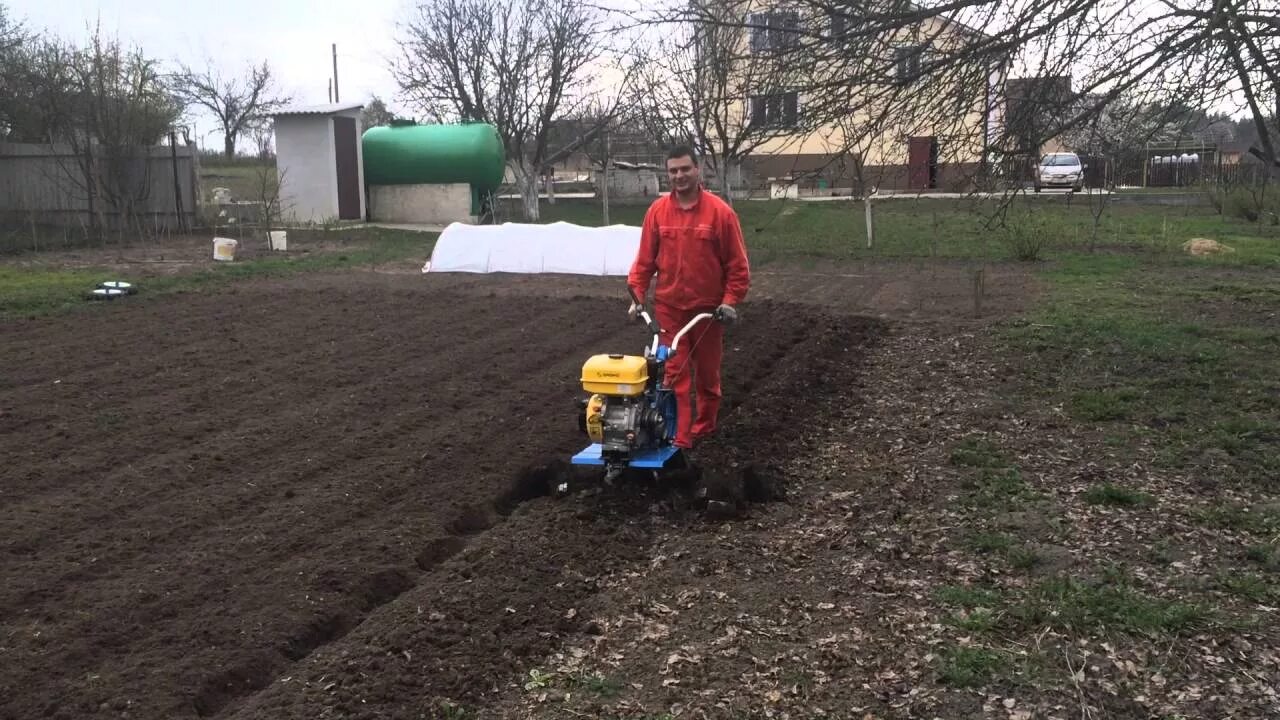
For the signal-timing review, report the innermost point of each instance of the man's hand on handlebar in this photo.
(634, 312)
(726, 314)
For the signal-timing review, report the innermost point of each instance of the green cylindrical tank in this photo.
(415, 154)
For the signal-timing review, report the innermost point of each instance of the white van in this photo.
(1060, 170)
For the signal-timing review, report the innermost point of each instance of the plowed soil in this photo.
(326, 497)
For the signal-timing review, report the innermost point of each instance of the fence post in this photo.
(979, 290)
(871, 231)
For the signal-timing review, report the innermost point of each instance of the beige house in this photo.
(936, 136)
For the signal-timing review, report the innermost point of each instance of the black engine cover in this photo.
(629, 424)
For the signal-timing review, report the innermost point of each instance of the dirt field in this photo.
(206, 494)
(326, 497)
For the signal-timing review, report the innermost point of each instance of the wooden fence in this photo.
(44, 185)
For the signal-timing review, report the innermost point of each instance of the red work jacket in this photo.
(697, 252)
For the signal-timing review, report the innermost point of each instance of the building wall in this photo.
(425, 204)
(962, 133)
(960, 138)
(306, 157)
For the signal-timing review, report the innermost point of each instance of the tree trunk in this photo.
(230, 145)
(528, 182)
(726, 182)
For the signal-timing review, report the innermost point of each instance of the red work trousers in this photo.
(695, 365)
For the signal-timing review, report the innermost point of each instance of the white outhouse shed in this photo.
(318, 153)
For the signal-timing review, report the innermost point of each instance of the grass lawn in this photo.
(964, 229)
(39, 289)
(244, 181)
(1178, 354)
(1160, 363)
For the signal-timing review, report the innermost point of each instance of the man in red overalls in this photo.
(693, 241)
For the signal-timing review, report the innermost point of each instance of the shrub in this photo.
(1026, 234)
(1254, 202)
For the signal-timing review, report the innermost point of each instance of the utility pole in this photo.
(604, 185)
(335, 72)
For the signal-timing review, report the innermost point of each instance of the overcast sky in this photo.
(295, 36)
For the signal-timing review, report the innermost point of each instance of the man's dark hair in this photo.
(680, 151)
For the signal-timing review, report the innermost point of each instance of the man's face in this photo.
(683, 173)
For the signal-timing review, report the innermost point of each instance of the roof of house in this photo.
(324, 109)
(1040, 87)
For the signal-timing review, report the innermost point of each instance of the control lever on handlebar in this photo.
(716, 315)
(648, 320)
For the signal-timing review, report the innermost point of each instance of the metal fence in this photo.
(45, 185)
(1101, 171)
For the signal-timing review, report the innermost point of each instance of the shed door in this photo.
(348, 167)
(922, 163)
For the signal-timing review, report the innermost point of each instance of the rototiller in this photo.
(630, 415)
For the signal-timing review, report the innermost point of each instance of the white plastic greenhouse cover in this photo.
(526, 248)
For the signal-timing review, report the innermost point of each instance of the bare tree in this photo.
(724, 85)
(878, 72)
(520, 65)
(263, 134)
(375, 113)
(238, 103)
(13, 38)
(109, 105)
(756, 79)
(129, 110)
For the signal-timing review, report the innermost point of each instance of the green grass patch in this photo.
(967, 667)
(1032, 228)
(967, 596)
(1265, 555)
(1019, 556)
(1258, 520)
(26, 291)
(36, 290)
(1000, 489)
(1161, 552)
(245, 181)
(977, 453)
(1247, 586)
(1112, 604)
(1117, 496)
(1164, 350)
(978, 620)
(989, 542)
(596, 684)
(1022, 557)
(1103, 405)
(449, 711)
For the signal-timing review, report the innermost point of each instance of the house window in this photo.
(838, 22)
(774, 30)
(778, 110)
(906, 62)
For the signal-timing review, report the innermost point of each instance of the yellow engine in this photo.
(624, 375)
(620, 414)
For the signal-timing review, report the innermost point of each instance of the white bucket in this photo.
(278, 239)
(224, 249)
